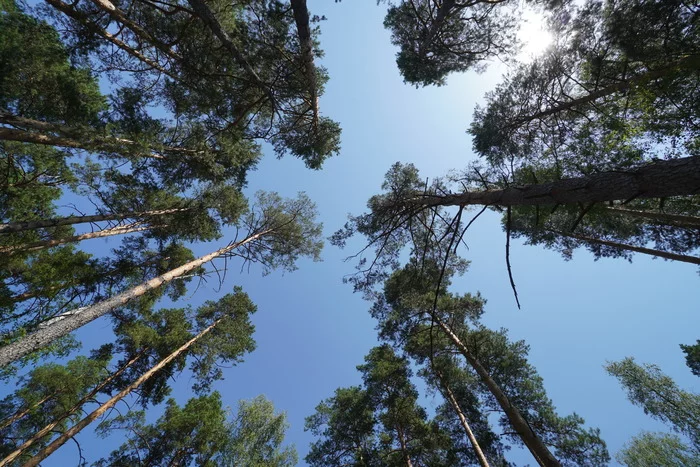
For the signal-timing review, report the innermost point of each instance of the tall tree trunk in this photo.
(301, 17)
(47, 429)
(404, 448)
(637, 249)
(660, 179)
(689, 62)
(533, 442)
(40, 245)
(449, 395)
(68, 434)
(77, 318)
(70, 220)
(84, 20)
(21, 413)
(661, 217)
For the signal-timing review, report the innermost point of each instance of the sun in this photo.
(534, 35)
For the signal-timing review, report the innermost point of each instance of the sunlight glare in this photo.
(534, 36)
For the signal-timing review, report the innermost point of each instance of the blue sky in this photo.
(312, 331)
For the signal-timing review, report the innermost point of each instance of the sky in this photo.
(312, 331)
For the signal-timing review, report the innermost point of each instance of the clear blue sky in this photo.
(312, 331)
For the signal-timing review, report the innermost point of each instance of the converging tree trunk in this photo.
(78, 318)
(533, 442)
(449, 395)
(40, 245)
(70, 220)
(68, 434)
(675, 177)
(301, 17)
(47, 429)
(21, 413)
(660, 217)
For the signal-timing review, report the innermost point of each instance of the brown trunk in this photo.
(463, 420)
(47, 429)
(68, 434)
(675, 177)
(70, 220)
(74, 320)
(301, 17)
(89, 25)
(531, 440)
(19, 415)
(690, 62)
(637, 249)
(404, 448)
(661, 217)
(40, 245)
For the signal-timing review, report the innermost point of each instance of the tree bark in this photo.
(85, 21)
(77, 318)
(463, 420)
(47, 429)
(301, 17)
(70, 220)
(637, 249)
(660, 179)
(661, 217)
(533, 442)
(20, 414)
(690, 62)
(40, 245)
(404, 448)
(68, 434)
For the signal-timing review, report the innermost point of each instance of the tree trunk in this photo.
(690, 62)
(70, 220)
(68, 434)
(44, 336)
(675, 177)
(90, 26)
(20, 414)
(40, 245)
(679, 220)
(47, 429)
(463, 420)
(533, 442)
(404, 448)
(301, 17)
(637, 249)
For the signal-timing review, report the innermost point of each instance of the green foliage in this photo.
(692, 357)
(657, 449)
(660, 397)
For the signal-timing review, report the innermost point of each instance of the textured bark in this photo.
(690, 62)
(90, 26)
(449, 395)
(20, 414)
(301, 17)
(58, 442)
(40, 245)
(70, 220)
(77, 318)
(531, 440)
(47, 429)
(675, 177)
(637, 249)
(661, 217)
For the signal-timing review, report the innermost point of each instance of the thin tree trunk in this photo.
(533, 442)
(68, 434)
(404, 448)
(20, 414)
(690, 62)
(301, 17)
(637, 249)
(40, 245)
(661, 217)
(85, 21)
(463, 420)
(70, 220)
(44, 336)
(47, 429)
(675, 177)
